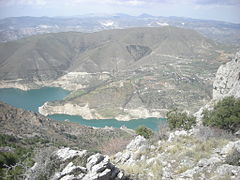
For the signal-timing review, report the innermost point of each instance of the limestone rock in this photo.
(136, 143)
(69, 164)
(230, 170)
(177, 133)
(229, 148)
(227, 81)
(67, 153)
(133, 151)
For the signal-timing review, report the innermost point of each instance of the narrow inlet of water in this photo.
(32, 99)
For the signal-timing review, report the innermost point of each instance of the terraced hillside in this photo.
(122, 74)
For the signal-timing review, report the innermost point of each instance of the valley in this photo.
(31, 100)
(116, 74)
(102, 90)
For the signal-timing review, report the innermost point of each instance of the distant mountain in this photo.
(19, 27)
(123, 74)
(49, 56)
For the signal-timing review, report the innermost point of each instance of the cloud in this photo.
(217, 2)
(112, 2)
(23, 2)
(122, 2)
(144, 2)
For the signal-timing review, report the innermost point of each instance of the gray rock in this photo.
(68, 177)
(136, 143)
(67, 153)
(227, 81)
(93, 160)
(227, 169)
(100, 168)
(229, 148)
(177, 133)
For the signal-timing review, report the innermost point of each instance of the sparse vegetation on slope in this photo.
(144, 131)
(225, 115)
(185, 155)
(16, 155)
(177, 120)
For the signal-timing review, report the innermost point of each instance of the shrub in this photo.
(144, 131)
(8, 159)
(114, 145)
(162, 133)
(225, 115)
(180, 120)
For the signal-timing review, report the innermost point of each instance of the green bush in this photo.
(7, 158)
(180, 120)
(225, 115)
(144, 131)
(7, 139)
(12, 162)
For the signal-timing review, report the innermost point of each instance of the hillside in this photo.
(51, 55)
(134, 73)
(200, 153)
(36, 128)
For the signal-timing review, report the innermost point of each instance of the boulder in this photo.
(67, 153)
(136, 143)
(69, 164)
(229, 170)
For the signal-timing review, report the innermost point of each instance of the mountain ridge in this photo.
(19, 27)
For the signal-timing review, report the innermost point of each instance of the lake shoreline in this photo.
(32, 99)
(87, 113)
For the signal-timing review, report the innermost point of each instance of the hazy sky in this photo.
(226, 10)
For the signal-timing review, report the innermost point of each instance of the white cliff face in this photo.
(70, 109)
(70, 81)
(227, 82)
(89, 113)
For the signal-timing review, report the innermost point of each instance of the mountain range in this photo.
(19, 27)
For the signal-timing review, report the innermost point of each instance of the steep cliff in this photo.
(227, 82)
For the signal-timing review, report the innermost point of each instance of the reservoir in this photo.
(32, 99)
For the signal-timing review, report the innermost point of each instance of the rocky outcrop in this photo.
(128, 156)
(69, 164)
(179, 157)
(227, 82)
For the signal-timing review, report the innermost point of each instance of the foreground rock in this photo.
(69, 164)
(184, 155)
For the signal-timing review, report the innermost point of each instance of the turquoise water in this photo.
(152, 123)
(32, 99)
